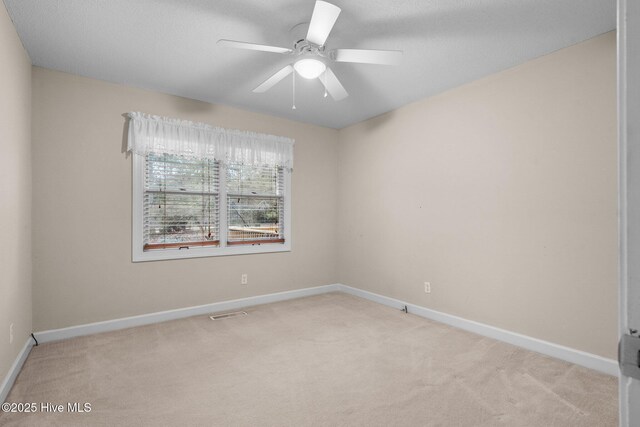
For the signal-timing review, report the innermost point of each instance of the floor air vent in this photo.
(227, 315)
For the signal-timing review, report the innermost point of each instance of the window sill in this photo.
(202, 252)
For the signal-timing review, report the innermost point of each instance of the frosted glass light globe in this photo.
(309, 68)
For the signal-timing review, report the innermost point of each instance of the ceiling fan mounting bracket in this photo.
(299, 31)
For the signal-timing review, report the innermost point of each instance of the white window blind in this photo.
(181, 202)
(255, 204)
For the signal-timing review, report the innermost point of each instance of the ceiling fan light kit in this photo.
(309, 68)
(313, 60)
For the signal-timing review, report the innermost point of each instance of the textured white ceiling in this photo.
(170, 46)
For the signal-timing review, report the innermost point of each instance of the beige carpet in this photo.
(327, 360)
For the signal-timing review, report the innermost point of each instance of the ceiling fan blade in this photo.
(366, 56)
(253, 46)
(333, 85)
(271, 81)
(322, 20)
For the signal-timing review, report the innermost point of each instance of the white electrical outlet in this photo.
(11, 333)
(427, 287)
(244, 279)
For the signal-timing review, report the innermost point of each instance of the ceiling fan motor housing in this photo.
(305, 47)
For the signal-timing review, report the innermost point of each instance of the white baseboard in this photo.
(163, 316)
(578, 357)
(14, 370)
(588, 360)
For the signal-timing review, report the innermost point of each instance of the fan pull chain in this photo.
(293, 106)
(325, 81)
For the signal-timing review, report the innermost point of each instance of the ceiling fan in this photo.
(312, 59)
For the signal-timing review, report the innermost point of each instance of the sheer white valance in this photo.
(155, 134)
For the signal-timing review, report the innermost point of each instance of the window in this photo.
(185, 212)
(195, 204)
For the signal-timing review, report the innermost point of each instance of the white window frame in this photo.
(140, 255)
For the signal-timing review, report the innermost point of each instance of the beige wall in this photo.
(501, 193)
(82, 209)
(15, 193)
